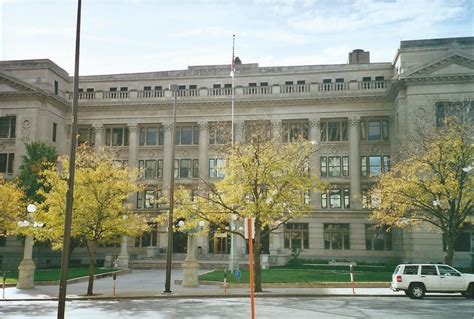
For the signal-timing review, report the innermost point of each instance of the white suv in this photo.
(416, 279)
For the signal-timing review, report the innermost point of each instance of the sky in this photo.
(125, 36)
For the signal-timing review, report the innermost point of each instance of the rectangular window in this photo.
(116, 136)
(176, 168)
(195, 168)
(185, 168)
(296, 235)
(215, 167)
(386, 163)
(7, 162)
(374, 130)
(150, 198)
(334, 131)
(363, 166)
(335, 198)
(377, 238)
(345, 165)
(336, 236)
(150, 169)
(86, 135)
(294, 130)
(187, 135)
(375, 165)
(347, 198)
(324, 200)
(219, 132)
(55, 130)
(334, 166)
(7, 126)
(324, 169)
(56, 87)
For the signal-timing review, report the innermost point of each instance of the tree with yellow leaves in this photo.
(12, 208)
(99, 213)
(264, 179)
(433, 185)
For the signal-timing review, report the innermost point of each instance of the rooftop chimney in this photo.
(359, 56)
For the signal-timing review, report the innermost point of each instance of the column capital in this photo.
(168, 126)
(98, 128)
(203, 125)
(315, 123)
(133, 127)
(354, 121)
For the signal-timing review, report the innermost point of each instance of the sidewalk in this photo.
(151, 283)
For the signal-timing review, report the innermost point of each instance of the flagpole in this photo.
(232, 222)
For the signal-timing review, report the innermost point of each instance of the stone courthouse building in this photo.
(358, 112)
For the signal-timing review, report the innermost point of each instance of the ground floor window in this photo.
(296, 235)
(149, 238)
(377, 238)
(462, 242)
(336, 236)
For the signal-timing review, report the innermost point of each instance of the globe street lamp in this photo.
(190, 264)
(27, 266)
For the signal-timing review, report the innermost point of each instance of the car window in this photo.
(410, 270)
(429, 270)
(448, 271)
(396, 270)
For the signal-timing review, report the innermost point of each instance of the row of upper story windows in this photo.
(219, 133)
(336, 81)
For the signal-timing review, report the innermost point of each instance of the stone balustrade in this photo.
(316, 89)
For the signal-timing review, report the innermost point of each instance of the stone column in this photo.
(27, 266)
(168, 166)
(239, 131)
(99, 135)
(133, 145)
(123, 258)
(314, 165)
(276, 129)
(354, 161)
(203, 152)
(190, 265)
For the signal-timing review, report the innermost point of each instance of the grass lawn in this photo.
(54, 274)
(304, 276)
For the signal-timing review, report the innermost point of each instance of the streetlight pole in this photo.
(72, 163)
(171, 197)
(26, 269)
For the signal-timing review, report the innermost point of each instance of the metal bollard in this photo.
(114, 277)
(352, 279)
(4, 283)
(226, 285)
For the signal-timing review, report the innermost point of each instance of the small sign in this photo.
(237, 274)
(246, 229)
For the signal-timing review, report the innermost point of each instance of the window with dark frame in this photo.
(55, 130)
(377, 238)
(337, 236)
(8, 127)
(296, 236)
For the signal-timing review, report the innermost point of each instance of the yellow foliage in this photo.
(12, 207)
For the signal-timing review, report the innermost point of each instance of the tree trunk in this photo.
(448, 259)
(91, 250)
(256, 258)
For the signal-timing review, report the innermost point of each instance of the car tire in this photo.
(470, 291)
(416, 291)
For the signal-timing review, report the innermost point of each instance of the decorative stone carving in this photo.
(420, 112)
(151, 154)
(203, 126)
(133, 128)
(354, 121)
(26, 131)
(315, 123)
(334, 150)
(375, 149)
(168, 127)
(99, 129)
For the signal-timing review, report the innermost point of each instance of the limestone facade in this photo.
(358, 113)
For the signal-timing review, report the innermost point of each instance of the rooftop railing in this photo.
(316, 89)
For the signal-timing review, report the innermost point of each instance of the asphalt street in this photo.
(295, 307)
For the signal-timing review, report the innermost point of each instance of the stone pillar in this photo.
(99, 135)
(239, 131)
(203, 152)
(276, 129)
(168, 166)
(190, 265)
(314, 165)
(123, 258)
(133, 145)
(26, 275)
(354, 162)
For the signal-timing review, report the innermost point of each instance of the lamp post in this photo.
(169, 250)
(27, 266)
(190, 265)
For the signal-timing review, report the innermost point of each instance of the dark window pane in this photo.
(374, 131)
(151, 135)
(186, 136)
